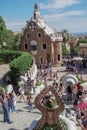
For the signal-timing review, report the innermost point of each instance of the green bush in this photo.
(20, 65)
(6, 56)
(63, 124)
(2, 87)
(51, 103)
(37, 84)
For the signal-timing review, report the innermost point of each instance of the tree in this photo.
(81, 41)
(65, 36)
(7, 38)
(2, 31)
(74, 50)
(64, 50)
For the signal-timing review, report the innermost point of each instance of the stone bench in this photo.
(70, 124)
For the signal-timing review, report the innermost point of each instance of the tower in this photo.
(36, 12)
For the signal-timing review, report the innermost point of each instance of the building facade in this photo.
(83, 49)
(40, 40)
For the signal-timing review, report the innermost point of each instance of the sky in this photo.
(58, 14)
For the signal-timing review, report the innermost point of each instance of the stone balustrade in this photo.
(32, 72)
(70, 124)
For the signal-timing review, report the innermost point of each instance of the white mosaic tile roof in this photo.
(55, 36)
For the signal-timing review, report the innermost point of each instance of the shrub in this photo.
(63, 124)
(51, 103)
(2, 87)
(6, 56)
(20, 65)
(37, 84)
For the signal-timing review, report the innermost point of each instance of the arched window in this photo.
(33, 45)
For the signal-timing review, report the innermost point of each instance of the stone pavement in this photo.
(23, 118)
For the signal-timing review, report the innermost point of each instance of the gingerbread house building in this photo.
(40, 40)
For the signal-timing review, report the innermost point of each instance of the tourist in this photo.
(82, 105)
(79, 93)
(83, 121)
(10, 102)
(69, 93)
(74, 89)
(29, 85)
(21, 91)
(30, 102)
(4, 102)
(14, 98)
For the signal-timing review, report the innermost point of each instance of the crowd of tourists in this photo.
(76, 95)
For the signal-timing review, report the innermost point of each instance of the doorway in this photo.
(48, 59)
(41, 60)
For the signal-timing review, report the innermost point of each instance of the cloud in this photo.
(15, 25)
(63, 15)
(58, 4)
(70, 20)
(71, 24)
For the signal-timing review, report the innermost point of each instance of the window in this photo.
(33, 48)
(58, 57)
(27, 35)
(25, 46)
(32, 26)
(33, 45)
(44, 46)
(39, 35)
(41, 60)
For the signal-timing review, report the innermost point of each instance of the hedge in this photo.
(20, 65)
(6, 56)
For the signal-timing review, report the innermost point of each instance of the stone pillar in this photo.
(58, 51)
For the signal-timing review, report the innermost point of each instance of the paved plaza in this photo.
(24, 117)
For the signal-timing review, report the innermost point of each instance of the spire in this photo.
(36, 12)
(36, 6)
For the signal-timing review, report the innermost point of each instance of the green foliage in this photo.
(54, 127)
(51, 103)
(82, 41)
(75, 50)
(7, 38)
(80, 78)
(20, 65)
(64, 50)
(2, 87)
(6, 56)
(12, 76)
(63, 124)
(37, 84)
(65, 35)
